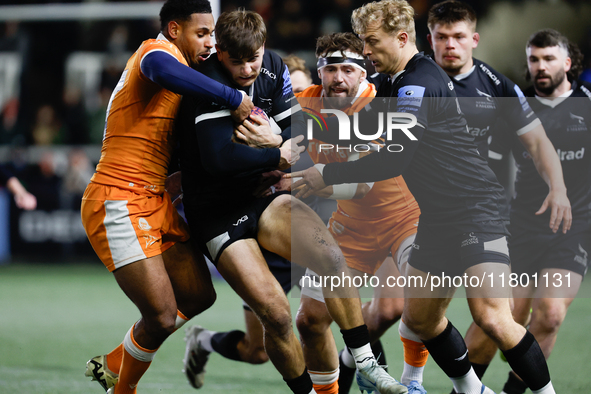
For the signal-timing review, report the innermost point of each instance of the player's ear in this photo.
(475, 39)
(402, 38)
(174, 29)
(430, 39)
(568, 62)
(319, 73)
(218, 52)
(363, 76)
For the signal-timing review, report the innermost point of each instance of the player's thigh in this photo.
(148, 286)
(291, 229)
(245, 269)
(190, 277)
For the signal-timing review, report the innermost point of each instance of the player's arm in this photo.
(548, 165)
(346, 191)
(165, 70)
(221, 156)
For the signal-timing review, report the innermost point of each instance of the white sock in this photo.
(204, 338)
(410, 373)
(363, 355)
(134, 351)
(547, 389)
(347, 358)
(468, 384)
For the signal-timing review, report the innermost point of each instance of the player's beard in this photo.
(553, 82)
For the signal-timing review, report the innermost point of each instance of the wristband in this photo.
(345, 191)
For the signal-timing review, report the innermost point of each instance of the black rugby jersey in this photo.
(449, 179)
(567, 121)
(490, 100)
(215, 169)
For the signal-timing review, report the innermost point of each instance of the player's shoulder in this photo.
(159, 44)
(310, 91)
(496, 80)
(273, 66)
(422, 75)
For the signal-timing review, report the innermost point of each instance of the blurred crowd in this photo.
(67, 71)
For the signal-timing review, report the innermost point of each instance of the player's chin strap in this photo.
(341, 57)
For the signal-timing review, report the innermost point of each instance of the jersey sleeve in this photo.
(163, 64)
(219, 154)
(287, 112)
(515, 110)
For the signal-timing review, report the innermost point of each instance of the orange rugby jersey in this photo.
(386, 197)
(138, 138)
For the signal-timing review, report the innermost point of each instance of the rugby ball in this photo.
(259, 112)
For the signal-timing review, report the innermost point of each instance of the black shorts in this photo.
(438, 251)
(532, 252)
(215, 228)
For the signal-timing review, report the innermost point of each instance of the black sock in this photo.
(378, 352)
(449, 351)
(479, 369)
(528, 361)
(300, 385)
(356, 337)
(226, 343)
(346, 375)
(514, 385)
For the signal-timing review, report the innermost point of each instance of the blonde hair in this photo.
(393, 15)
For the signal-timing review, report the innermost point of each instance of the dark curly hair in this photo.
(551, 38)
(338, 42)
(181, 10)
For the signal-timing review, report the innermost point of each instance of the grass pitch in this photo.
(53, 318)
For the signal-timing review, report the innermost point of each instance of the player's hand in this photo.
(257, 134)
(560, 210)
(25, 200)
(308, 181)
(267, 183)
(243, 110)
(173, 185)
(290, 152)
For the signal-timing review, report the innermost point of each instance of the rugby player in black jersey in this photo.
(231, 224)
(461, 231)
(486, 96)
(554, 263)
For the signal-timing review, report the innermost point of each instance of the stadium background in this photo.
(58, 65)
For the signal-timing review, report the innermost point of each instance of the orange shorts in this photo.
(366, 243)
(124, 227)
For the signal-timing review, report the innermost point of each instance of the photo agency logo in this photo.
(374, 132)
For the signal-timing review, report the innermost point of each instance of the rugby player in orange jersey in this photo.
(128, 217)
(385, 213)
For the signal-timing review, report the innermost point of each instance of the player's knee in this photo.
(389, 313)
(161, 326)
(277, 321)
(257, 355)
(490, 324)
(422, 327)
(550, 318)
(311, 324)
(199, 303)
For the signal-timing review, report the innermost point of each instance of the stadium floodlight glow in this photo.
(86, 11)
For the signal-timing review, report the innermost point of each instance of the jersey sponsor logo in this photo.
(269, 73)
(489, 73)
(586, 91)
(144, 225)
(287, 89)
(450, 85)
(583, 258)
(471, 240)
(150, 240)
(411, 95)
(522, 99)
(487, 103)
(568, 155)
(478, 132)
(241, 220)
(580, 124)
(337, 227)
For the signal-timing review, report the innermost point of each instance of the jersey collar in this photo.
(553, 102)
(465, 75)
(162, 37)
